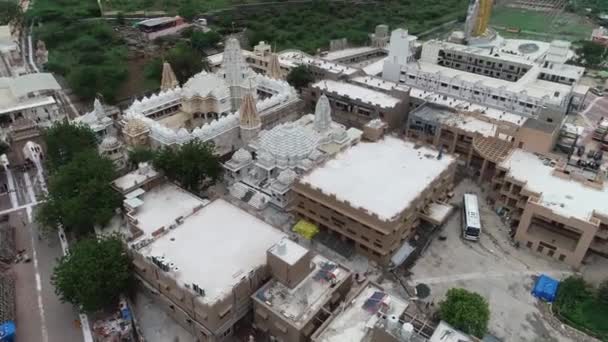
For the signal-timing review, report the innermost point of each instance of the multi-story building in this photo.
(304, 289)
(363, 99)
(204, 259)
(480, 141)
(371, 194)
(521, 78)
(555, 208)
(31, 97)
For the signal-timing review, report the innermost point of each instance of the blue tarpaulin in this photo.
(7, 331)
(545, 288)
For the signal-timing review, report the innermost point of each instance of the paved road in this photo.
(40, 314)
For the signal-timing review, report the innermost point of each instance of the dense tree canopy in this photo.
(466, 311)
(87, 53)
(591, 54)
(184, 60)
(300, 77)
(602, 292)
(192, 165)
(94, 274)
(140, 154)
(65, 140)
(204, 40)
(9, 11)
(80, 195)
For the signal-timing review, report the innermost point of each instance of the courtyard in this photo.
(493, 267)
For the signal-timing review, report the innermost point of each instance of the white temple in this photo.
(262, 172)
(208, 106)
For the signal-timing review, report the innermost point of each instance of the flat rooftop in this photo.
(353, 91)
(302, 302)
(535, 88)
(462, 105)
(377, 82)
(451, 118)
(445, 333)
(288, 251)
(356, 321)
(350, 52)
(134, 178)
(292, 58)
(359, 175)
(569, 198)
(214, 248)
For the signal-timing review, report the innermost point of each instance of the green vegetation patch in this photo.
(86, 52)
(582, 306)
(541, 25)
(311, 26)
(170, 6)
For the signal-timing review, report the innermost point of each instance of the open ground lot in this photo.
(541, 25)
(494, 268)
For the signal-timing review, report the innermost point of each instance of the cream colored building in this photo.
(203, 258)
(554, 208)
(373, 194)
(304, 289)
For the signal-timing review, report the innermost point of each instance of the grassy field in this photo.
(537, 25)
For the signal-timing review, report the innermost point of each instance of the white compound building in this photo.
(262, 172)
(527, 78)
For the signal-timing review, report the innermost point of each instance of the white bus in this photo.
(471, 222)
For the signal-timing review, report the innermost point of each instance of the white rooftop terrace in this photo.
(344, 53)
(293, 58)
(135, 178)
(380, 83)
(215, 247)
(355, 323)
(354, 91)
(288, 251)
(471, 124)
(569, 198)
(360, 173)
(532, 87)
(449, 101)
(302, 302)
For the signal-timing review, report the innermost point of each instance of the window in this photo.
(562, 257)
(529, 244)
(551, 252)
(539, 249)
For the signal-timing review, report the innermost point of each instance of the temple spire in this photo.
(236, 71)
(249, 119)
(322, 114)
(168, 81)
(100, 112)
(274, 68)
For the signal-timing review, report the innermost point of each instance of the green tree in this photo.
(140, 154)
(94, 274)
(300, 77)
(188, 10)
(192, 165)
(80, 195)
(571, 292)
(466, 311)
(65, 140)
(204, 40)
(602, 292)
(185, 61)
(10, 11)
(590, 53)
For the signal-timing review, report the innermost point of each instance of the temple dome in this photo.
(241, 156)
(135, 127)
(109, 143)
(287, 176)
(289, 141)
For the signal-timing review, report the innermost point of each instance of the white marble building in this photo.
(206, 107)
(262, 172)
